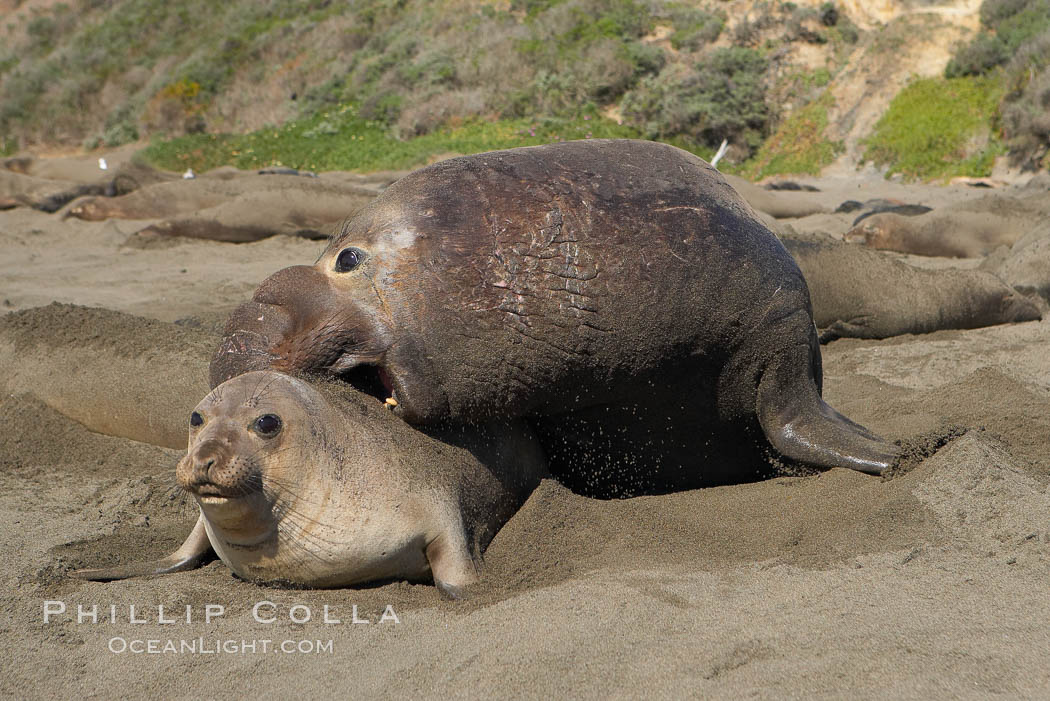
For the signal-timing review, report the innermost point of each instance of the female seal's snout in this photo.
(862, 234)
(206, 471)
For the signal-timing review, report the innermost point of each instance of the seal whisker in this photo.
(292, 530)
(284, 509)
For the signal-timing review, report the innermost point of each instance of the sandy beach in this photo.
(929, 583)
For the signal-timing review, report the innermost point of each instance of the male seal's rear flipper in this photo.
(801, 425)
(451, 564)
(191, 554)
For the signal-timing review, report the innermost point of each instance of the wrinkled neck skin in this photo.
(317, 532)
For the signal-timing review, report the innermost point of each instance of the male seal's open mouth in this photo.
(372, 378)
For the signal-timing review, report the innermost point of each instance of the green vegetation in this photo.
(394, 83)
(106, 72)
(722, 97)
(342, 139)
(939, 128)
(799, 145)
(693, 28)
(1006, 26)
(1014, 47)
(76, 55)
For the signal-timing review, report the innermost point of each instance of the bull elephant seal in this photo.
(546, 280)
(316, 485)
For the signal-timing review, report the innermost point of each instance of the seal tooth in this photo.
(391, 402)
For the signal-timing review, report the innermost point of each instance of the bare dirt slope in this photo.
(914, 39)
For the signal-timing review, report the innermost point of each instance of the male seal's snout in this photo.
(289, 324)
(302, 297)
(291, 286)
(295, 322)
(256, 332)
(249, 340)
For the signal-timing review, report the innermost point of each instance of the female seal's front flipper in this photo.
(191, 554)
(802, 427)
(451, 563)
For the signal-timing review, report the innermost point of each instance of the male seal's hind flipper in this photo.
(801, 425)
(190, 555)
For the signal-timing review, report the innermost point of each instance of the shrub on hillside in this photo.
(584, 51)
(1026, 111)
(720, 97)
(600, 74)
(694, 28)
(978, 57)
(1006, 25)
(560, 57)
(1015, 39)
(1015, 21)
(1026, 124)
(424, 116)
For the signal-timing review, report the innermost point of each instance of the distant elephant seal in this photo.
(256, 216)
(955, 233)
(1026, 266)
(545, 280)
(18, 190)
(92, 208)
(904, 210)
(239, 206)
(780, 205)
(860, 293)
(319, 486)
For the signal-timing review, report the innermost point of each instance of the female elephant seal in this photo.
(547, 280)
(317, 485)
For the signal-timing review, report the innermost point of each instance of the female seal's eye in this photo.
(348, 259)
(267, 425)
(196, 419)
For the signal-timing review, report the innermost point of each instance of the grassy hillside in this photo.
(1013, 49)
(393, 83)
(104, 73)
(940, 128)
(341, 139)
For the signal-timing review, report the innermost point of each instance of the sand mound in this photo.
(115, 374)
(980, 495)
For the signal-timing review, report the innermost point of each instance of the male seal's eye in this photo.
(267, 425)
(196, 419)
(348, 259)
